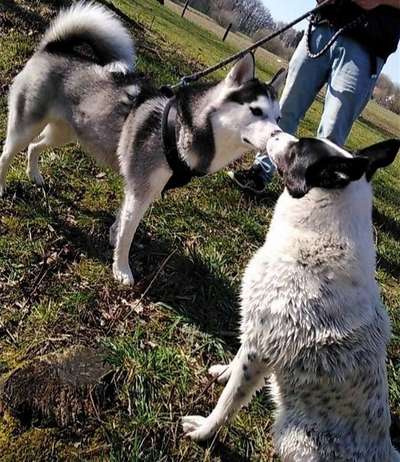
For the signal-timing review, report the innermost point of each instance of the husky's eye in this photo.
(256, 111)
(278, 119)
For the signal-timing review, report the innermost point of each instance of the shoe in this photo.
(250, 180)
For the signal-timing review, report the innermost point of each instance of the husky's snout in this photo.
(258, 134)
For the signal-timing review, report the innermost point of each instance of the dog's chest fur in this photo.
(310, 306)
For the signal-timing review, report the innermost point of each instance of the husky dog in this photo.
(312, 320)
(66, 94)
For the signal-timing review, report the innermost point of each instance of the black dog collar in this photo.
(182, 173)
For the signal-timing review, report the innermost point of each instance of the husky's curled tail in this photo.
(65, 94)
(86, 22)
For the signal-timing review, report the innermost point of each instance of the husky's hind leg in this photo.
(17, 139)
(23, 126)
(53, 135)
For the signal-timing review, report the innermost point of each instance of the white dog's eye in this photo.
(256, 111)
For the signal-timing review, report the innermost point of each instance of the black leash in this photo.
(198, 75)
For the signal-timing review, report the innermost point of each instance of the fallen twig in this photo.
(208, 386)
(151, 284)
(8, 332)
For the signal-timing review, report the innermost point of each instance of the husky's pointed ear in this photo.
(278, 79)
(379, 155)
(242, 71)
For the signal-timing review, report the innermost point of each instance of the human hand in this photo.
(368, 4)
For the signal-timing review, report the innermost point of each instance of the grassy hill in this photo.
(159, 338)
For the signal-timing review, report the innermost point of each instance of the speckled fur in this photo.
(324, 330)
(314, 326)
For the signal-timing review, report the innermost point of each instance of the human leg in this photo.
(350, 85)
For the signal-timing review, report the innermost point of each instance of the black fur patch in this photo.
(146, 90)
(151, 125)
(21, 105)
(250, 91)
(82, 47)
(186, 97)
(313, 163)
(203, 143)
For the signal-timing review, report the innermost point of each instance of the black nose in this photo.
(276, 132)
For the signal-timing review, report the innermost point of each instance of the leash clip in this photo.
(185, 81)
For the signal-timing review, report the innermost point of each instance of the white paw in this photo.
(220, 371)
(197, 427)
(36, 177)
(123, 275)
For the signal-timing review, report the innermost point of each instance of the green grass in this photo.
(56, 286)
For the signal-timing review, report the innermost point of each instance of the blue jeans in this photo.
(350, 74)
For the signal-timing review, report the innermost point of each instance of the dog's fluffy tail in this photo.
(89, 23)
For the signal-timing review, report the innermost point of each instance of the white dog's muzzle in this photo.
(278, 146)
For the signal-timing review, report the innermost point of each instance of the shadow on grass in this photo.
(392, 228)
(387, 193)
(27, 18)
(387, 224)
(187, 284)
(226, 454)
(388, 266)
(193, 289)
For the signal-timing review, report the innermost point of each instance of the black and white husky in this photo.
(313, 324)
(65, 94)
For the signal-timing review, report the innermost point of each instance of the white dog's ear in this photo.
(278, 79)
(242, 71)
(379, 155)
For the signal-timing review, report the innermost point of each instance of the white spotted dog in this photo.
(312, 322)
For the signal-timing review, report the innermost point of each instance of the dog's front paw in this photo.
(197, 428)
(221, 372)
(123, 275)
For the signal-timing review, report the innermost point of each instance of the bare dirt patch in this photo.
(57, 389)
